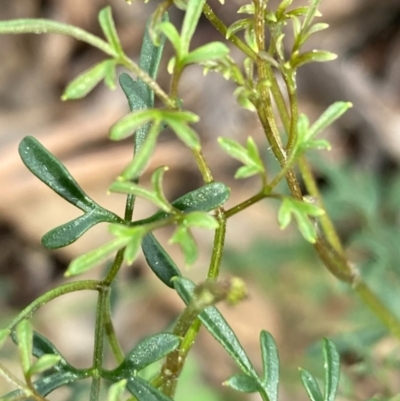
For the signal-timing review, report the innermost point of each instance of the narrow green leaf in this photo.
(4, 334)
(85, 82)
(146, 352)
(200, 219)
(116, 391)
(133, 246)
(234, 149)
(332, 369)
(246, 171)
(157, 183)
(144, 391)
(68, 233)
(186, 134)
(215, 323)
(179, 116)
(110, 77)
(246, 9)
(330, 115)
(320, 144)
(108, 27)
(209, 52)
(24, 335)
(243, 383)
(311, 385)
(127, 125)
(136, 167)
(44, 363)
(184, 238)
(284, 214)
(190, 21)
(53, 173)
(93, 258)
(159, 260)
(172, 34)
(237, 26)
(311, 57)
(270, 361)
(128, 187)
(205, 198)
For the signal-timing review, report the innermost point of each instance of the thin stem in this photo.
(52, 294)
(98, 343)
(111, 336)
(221, 27)
(245, 204)
(218, 247)
(38, 26)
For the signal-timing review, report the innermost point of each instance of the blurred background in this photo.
(291, 294)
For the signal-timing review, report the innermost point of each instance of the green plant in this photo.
(257, 90)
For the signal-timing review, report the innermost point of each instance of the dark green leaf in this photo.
(311, 386)
(85, 82)
(215, 323)
(332, 370)
(146, 352)
(205, 198)
(270, 361)
(159, 260)
(69, 232)
(242, 383)
(108, 27)
(53, 173)
(143, 391)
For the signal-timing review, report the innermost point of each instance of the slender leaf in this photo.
(237, 26)
(209, 52)
(311, 386)
(184, 238)
(93, 258)
(192, 16)
(332, 370)
(270, 361)
(172, 34)
(69, 232)
(201, 219)
(159, 260)
(243, 383)
(53, 173)
(143, 391)
(44, 363)
(85, 82)
(146, 352)
(108, 27)
(311, 57)
(215, 323)
(133, 246)
(24, 335)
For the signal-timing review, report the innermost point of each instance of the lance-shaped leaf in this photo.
(243, 383)
(209, 52)
(143, 391)
(311, 385)
(116, 391)
(184, 238)
(301, 211)
(206, 198)
(215, 323)
(270, 361)
(53, 173)
(159, 261)
(44, 363)
(332, 370)
(24, 335)
(108, 27)
(311, 57)
(69, 232)
(192, 16)
(85, 82)
(146, 352)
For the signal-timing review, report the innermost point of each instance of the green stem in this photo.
(218, 247)
(48, 26)
(222, 28)
(111, 336)
(98, 343)
(52, 294)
